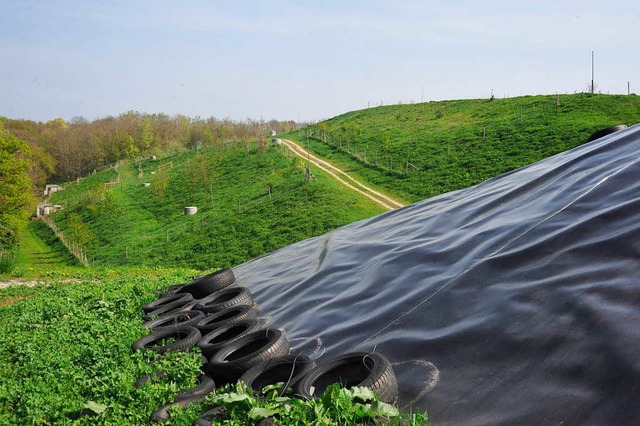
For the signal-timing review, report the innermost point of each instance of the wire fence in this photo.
(73, 248)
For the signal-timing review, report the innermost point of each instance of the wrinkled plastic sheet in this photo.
(511, 302)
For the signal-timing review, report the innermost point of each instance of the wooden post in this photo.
(269, 191)
(167, 236)
(126, 252)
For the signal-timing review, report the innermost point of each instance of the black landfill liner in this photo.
(512, 302)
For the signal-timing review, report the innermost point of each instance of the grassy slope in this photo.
(136, 225)
(40, 250)
(445, 143)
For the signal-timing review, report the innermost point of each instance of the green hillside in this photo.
(250, 202)
(421, 150)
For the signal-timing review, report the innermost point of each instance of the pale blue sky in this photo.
(278, 59)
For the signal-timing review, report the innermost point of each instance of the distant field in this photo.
(421, 150)
(249, 203)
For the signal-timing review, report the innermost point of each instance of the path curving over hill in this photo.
(336, 173)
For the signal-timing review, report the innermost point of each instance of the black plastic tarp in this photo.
(515, 301)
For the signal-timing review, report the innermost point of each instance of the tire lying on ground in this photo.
(605, 132)
(174, 300)
(175, 319)
(185, 337)
(203, 286)
(217, 319)
(288, 369)
(170, 309)
(235, 358)
(162, 415)
(371, 370)
(211, 342)
(224, 299)
(207, 418)
(204, 386)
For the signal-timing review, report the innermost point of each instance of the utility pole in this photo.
(592, 59)
(422, 96)
(628, 87)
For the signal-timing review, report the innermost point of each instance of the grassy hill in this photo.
(250, 202)
(421, 150)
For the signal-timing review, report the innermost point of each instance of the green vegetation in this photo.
(422, 150)
(65, 358)
(15, 195)
(250, 201)
(41, 251)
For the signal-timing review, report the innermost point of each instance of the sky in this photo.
(300, 59)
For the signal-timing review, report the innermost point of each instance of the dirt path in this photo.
(348, 181)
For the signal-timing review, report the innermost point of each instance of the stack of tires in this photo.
(222, 319)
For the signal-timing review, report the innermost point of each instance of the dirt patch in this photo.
(5, 284)
(11, 300)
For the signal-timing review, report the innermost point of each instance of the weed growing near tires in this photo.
(337, 406)
(65, 352)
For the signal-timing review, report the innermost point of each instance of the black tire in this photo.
(211, 342)
(371, 370)
(203, 286)
(176, 319)
(186, 338)
(605, 132)
(217, 319)
(288, 369)
(207, 418)
(173, 300)
(170, 309)
(236, 357)
(224, 299)
(204, 387)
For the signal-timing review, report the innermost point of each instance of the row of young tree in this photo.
(33, 154)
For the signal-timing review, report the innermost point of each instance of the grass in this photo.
(455, 144)
(249, 203)
(40, 250)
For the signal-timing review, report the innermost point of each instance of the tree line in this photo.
(33, 153)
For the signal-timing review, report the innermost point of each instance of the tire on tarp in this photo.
(225, 299)
(211, 342)
(186, 336)
(238, 356)
(370, 370)
(218, 319)
(203, 286)
(605, 132)
(288, 369)
(175, 319)
(172, 300)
